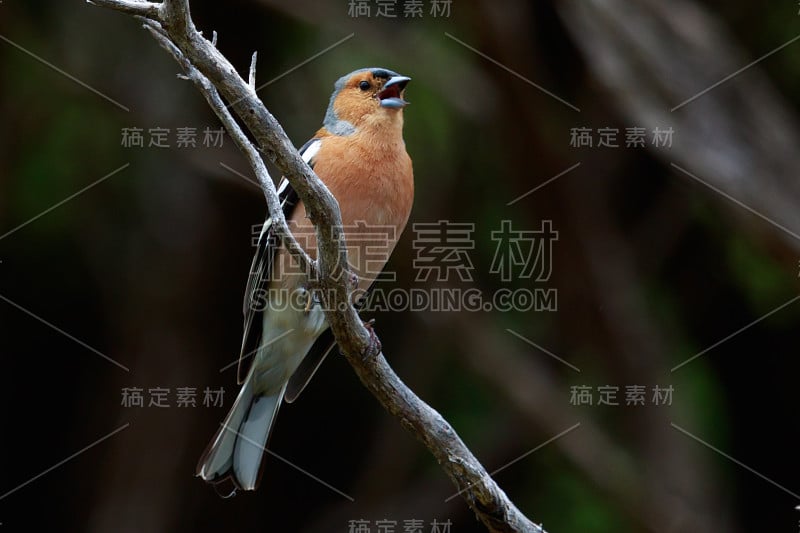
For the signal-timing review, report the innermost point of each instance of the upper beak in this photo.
(390, 95)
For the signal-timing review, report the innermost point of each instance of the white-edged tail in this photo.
(237, 449)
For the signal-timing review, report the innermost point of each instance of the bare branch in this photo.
(131, 7)
(176, 17)
(214, 75)
(252, 78)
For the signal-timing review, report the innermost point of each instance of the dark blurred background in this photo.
(663, 252)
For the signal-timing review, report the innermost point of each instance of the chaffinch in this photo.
(360, 155)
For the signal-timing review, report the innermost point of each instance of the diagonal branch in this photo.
(171, 25)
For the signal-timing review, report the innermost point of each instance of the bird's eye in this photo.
(364, 85)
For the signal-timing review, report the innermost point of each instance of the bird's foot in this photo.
(375, 346)
(353, 278)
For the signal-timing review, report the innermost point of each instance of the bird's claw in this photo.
(375, 346)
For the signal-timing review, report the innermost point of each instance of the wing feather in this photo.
(255, 303)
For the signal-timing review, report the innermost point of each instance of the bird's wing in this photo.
(309, 365)
(255, 303)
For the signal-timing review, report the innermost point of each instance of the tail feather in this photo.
(251, 441)
(236, 451)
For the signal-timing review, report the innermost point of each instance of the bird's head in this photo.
(365, 99)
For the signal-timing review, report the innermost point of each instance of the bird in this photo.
(360, 155)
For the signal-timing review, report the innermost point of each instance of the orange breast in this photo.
(373, 182)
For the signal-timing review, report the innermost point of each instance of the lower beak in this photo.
(391, 94)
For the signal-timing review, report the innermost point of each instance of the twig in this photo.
(214, 75)
(252, 78)
(142, 9)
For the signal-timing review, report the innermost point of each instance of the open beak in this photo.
(391, 94)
